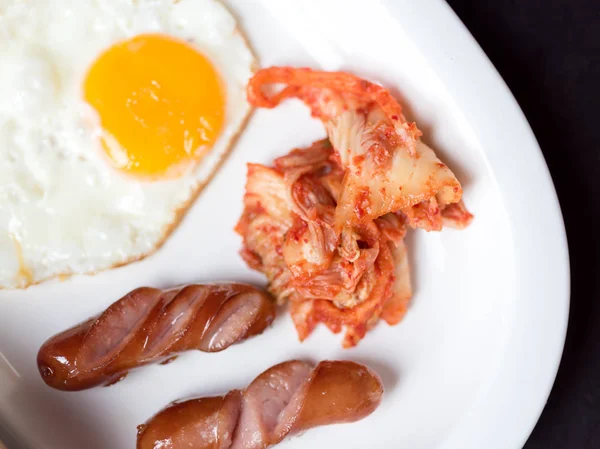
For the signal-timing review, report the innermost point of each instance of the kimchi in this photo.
(326, 224)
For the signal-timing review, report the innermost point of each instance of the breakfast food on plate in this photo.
(113, 116)
(326, 224)
(289, 234)
(149, 325)
(387, 167)
(286, 399)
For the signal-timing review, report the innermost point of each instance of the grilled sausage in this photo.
(149, 325)
(286, 399)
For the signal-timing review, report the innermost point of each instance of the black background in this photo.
(548, 52)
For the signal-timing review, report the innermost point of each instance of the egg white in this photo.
(63, 208)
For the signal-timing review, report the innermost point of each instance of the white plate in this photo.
(472, 363)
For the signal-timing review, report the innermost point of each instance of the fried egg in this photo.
(114, 114)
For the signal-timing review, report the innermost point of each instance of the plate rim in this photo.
(454, 56)
(474, 84)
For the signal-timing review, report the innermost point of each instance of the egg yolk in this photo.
(160, 104)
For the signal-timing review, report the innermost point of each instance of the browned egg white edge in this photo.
(182, 210)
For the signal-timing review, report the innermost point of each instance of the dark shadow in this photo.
(68, 424)
(548, 56)
(9, 438)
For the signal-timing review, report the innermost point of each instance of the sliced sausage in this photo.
(149, 325)
(286, 399)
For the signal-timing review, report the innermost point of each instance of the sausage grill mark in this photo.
(149, 325)
(286, 399)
